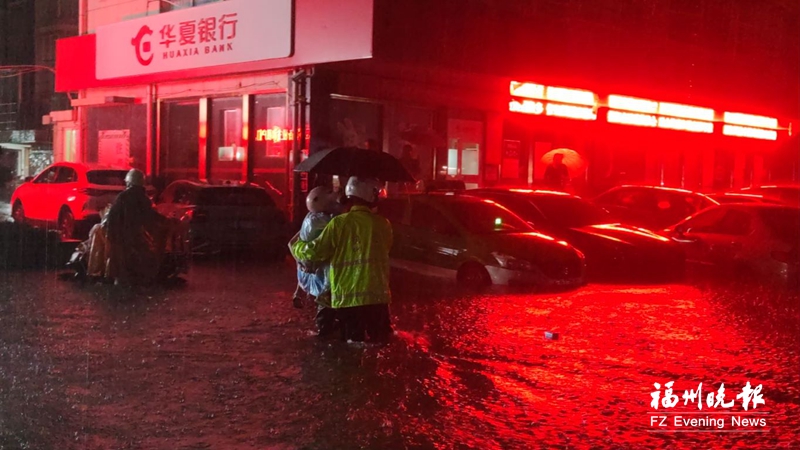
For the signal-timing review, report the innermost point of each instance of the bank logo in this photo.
(143, 46)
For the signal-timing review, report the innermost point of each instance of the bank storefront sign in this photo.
(230, 32)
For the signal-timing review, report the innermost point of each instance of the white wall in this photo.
(104, 12)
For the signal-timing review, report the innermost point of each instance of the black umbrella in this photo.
(351, 161)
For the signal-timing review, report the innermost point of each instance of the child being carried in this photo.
(312, 278)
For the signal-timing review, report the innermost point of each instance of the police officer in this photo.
(356, 244)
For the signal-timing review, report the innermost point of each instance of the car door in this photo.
(395, 210)
(61, 192)
(717, 237)
(692, 235)
(37, 198)
(728, 237)
(435, 240)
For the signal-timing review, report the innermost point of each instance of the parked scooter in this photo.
(92, 259)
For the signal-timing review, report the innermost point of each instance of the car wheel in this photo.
(66, 224)
(18, 212)
(473, 276)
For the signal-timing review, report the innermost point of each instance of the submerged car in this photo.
(741, 197)
(476, 242)
(652, 207)
(69, 196)
(612, 249)
(743, 240)
(788, 194)
(226, 218)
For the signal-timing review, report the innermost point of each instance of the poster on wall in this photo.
(511, 155)
(114, 148)
(356, 124)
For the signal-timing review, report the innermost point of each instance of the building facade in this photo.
(28, 33)
(647, 92)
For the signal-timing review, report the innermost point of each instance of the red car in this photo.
(69, 196)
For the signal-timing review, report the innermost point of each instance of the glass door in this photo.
(464, 138)
(226, 153)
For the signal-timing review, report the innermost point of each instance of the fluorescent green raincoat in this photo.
(357, 246)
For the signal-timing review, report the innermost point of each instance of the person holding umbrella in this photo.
(556, 176)
(356, 244)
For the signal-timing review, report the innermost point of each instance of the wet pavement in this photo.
(225, 362)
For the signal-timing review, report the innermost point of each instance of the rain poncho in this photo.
(357, 246)
(313, 277)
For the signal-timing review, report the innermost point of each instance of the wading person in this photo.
(357, 246)
(131, 221)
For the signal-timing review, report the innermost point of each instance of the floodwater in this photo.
(225, 362)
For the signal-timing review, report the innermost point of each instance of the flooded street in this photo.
(225, 362)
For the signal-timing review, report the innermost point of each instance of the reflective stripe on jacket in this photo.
(357, 245)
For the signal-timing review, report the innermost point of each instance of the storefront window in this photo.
(179, 140)
(117, 136)
(226, 153)
(272, 141)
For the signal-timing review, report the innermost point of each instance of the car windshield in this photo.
(570, 212)
(106, 177)
(485, 217)
(233, 196)
(783, 222)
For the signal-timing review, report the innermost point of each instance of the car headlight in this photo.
(511, 263)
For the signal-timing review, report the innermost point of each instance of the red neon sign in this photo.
(632, 104)
(628, 118)
(694, 126)
(552, 109)
(274, 134)
(750, 120)
(574, 96)
(552, 93)
(527, 90)
(685, 111)
(748, 132)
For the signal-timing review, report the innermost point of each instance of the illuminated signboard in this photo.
(552, 109)
(274, 134)
(750, 120)
(552, 101)
(755, 133)
(632, 104)
(538, 99)
(685, 111)
(750, 126)
(652, 121)
(628, 118)
(648, 113)
(552, 93)
(673, 123)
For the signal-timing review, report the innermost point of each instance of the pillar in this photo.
(738, 168)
